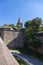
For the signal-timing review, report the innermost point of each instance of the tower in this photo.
(19, 23)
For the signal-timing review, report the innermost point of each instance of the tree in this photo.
(9, 25)
(32, 28)
(27, 24)
(18, 26)
(12, 25)
(36, 24)
(42, 27)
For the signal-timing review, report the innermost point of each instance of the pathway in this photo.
(30, 60)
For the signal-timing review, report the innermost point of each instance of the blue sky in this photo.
(11, 10)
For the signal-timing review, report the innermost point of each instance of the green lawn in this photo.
(16, 50)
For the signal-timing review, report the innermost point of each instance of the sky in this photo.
(11, 10)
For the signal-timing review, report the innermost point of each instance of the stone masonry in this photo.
(13, 38)
(6, 57)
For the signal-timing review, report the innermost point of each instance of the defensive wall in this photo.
(13, 38)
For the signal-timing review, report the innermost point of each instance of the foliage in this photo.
(27, 24)
(28, 51)
(12, 25)
(36, 23)
(18, 26)
(9, 25)
(42, 27)
(32, 28)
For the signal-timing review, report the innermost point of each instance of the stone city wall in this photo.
(40, 36)
(14, 38)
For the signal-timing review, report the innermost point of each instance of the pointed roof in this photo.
(19, 20)
(6, 57)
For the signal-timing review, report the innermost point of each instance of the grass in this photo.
(24, 50)
(29, 52)
(20, 61)
(16, 50)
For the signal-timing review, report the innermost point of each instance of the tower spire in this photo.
(19, 20)
(19, 23)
